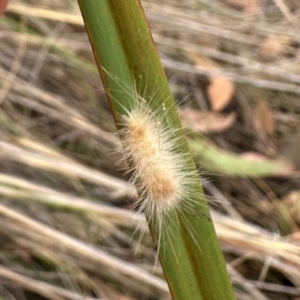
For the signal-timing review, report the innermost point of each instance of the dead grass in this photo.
(66, 229)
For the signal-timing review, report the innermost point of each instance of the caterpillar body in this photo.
(158, 169)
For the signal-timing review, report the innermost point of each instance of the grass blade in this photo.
(131, 72)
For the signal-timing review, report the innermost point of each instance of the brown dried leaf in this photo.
(206, 122)
(221, 89)
(264, 120)
(250, 6)
(220, 92)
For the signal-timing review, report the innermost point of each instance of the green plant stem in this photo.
(126, 56)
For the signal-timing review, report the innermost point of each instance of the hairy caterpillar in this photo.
(159, 169)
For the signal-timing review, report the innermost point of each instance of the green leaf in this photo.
(219, 161)
(131, 71)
